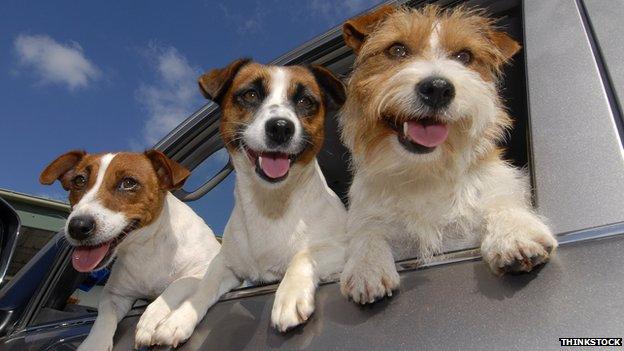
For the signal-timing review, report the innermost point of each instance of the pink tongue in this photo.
(427, 135)
(85, 259)
(274, 165)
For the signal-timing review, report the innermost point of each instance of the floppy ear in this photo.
(171, 174)
(216, 82)
(505, 44)
(355, 30)
(332, 86)
(61, 168)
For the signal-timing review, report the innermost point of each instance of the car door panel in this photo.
(451, 306)
(578, 165)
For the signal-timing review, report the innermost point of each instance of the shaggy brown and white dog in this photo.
(423, 121)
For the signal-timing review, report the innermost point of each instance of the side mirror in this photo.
(9, 231)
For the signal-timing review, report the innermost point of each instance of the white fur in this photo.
(293, 231)
(405, 204)
(164, 260)
(275, 105)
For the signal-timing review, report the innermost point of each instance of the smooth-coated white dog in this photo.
(286, 223)
(423, 121)
(122, 208)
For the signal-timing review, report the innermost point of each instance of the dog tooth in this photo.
(405, 128)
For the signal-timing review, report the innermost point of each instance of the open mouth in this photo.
(271, 166)
(420, 135)
(91, 258)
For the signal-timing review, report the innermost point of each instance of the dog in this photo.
(423, 120)
(122, 209)
(286, 223)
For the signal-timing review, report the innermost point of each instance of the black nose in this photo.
(436, 92)
(80, 227)
(279, 130)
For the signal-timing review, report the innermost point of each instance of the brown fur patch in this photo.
(314, 124)
(355, 31)
(234, 116)
(87, 167)
(61, 168)
(143, 204)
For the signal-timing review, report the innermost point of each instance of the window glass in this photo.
(74, 295)
(216, 205)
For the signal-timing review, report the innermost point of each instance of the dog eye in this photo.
(304, 102)
(128, 184)
(79, 181)
(397, 50)
(251, 96)
(463, 56)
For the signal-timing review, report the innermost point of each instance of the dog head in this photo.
(111, 195)
(424, 85)
(272, 117)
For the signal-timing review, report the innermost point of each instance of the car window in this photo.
(72, 294)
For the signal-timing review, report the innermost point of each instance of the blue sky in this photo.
(106, 76)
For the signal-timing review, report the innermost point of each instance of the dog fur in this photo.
(291, 229)
(147, 223)
(404, 203)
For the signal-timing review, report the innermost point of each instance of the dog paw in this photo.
(365, 282)
(518, 252)
(176, 328)
(154, 313)
(94, 343)
(294, 304)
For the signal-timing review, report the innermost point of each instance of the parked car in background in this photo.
(565, 91)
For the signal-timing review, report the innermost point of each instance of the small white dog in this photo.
(122, 207)
(286, 224)
(423, 121)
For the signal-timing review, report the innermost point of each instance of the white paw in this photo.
(366, 282)
(518, 251)
(154, 313)
(294, 304)
(96, 343)
(177, 327)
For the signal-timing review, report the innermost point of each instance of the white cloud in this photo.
(54, 62)
(171, 97)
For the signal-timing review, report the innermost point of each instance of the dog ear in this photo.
(355, 30)
(505, 44)
(171, 174)
(61, 168)
(215, 83)
(331, 86)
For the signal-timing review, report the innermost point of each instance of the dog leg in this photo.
(170, 299)
(111, 309)
(516, 240)
(294, 299)
(178, 326)
(370, 273)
